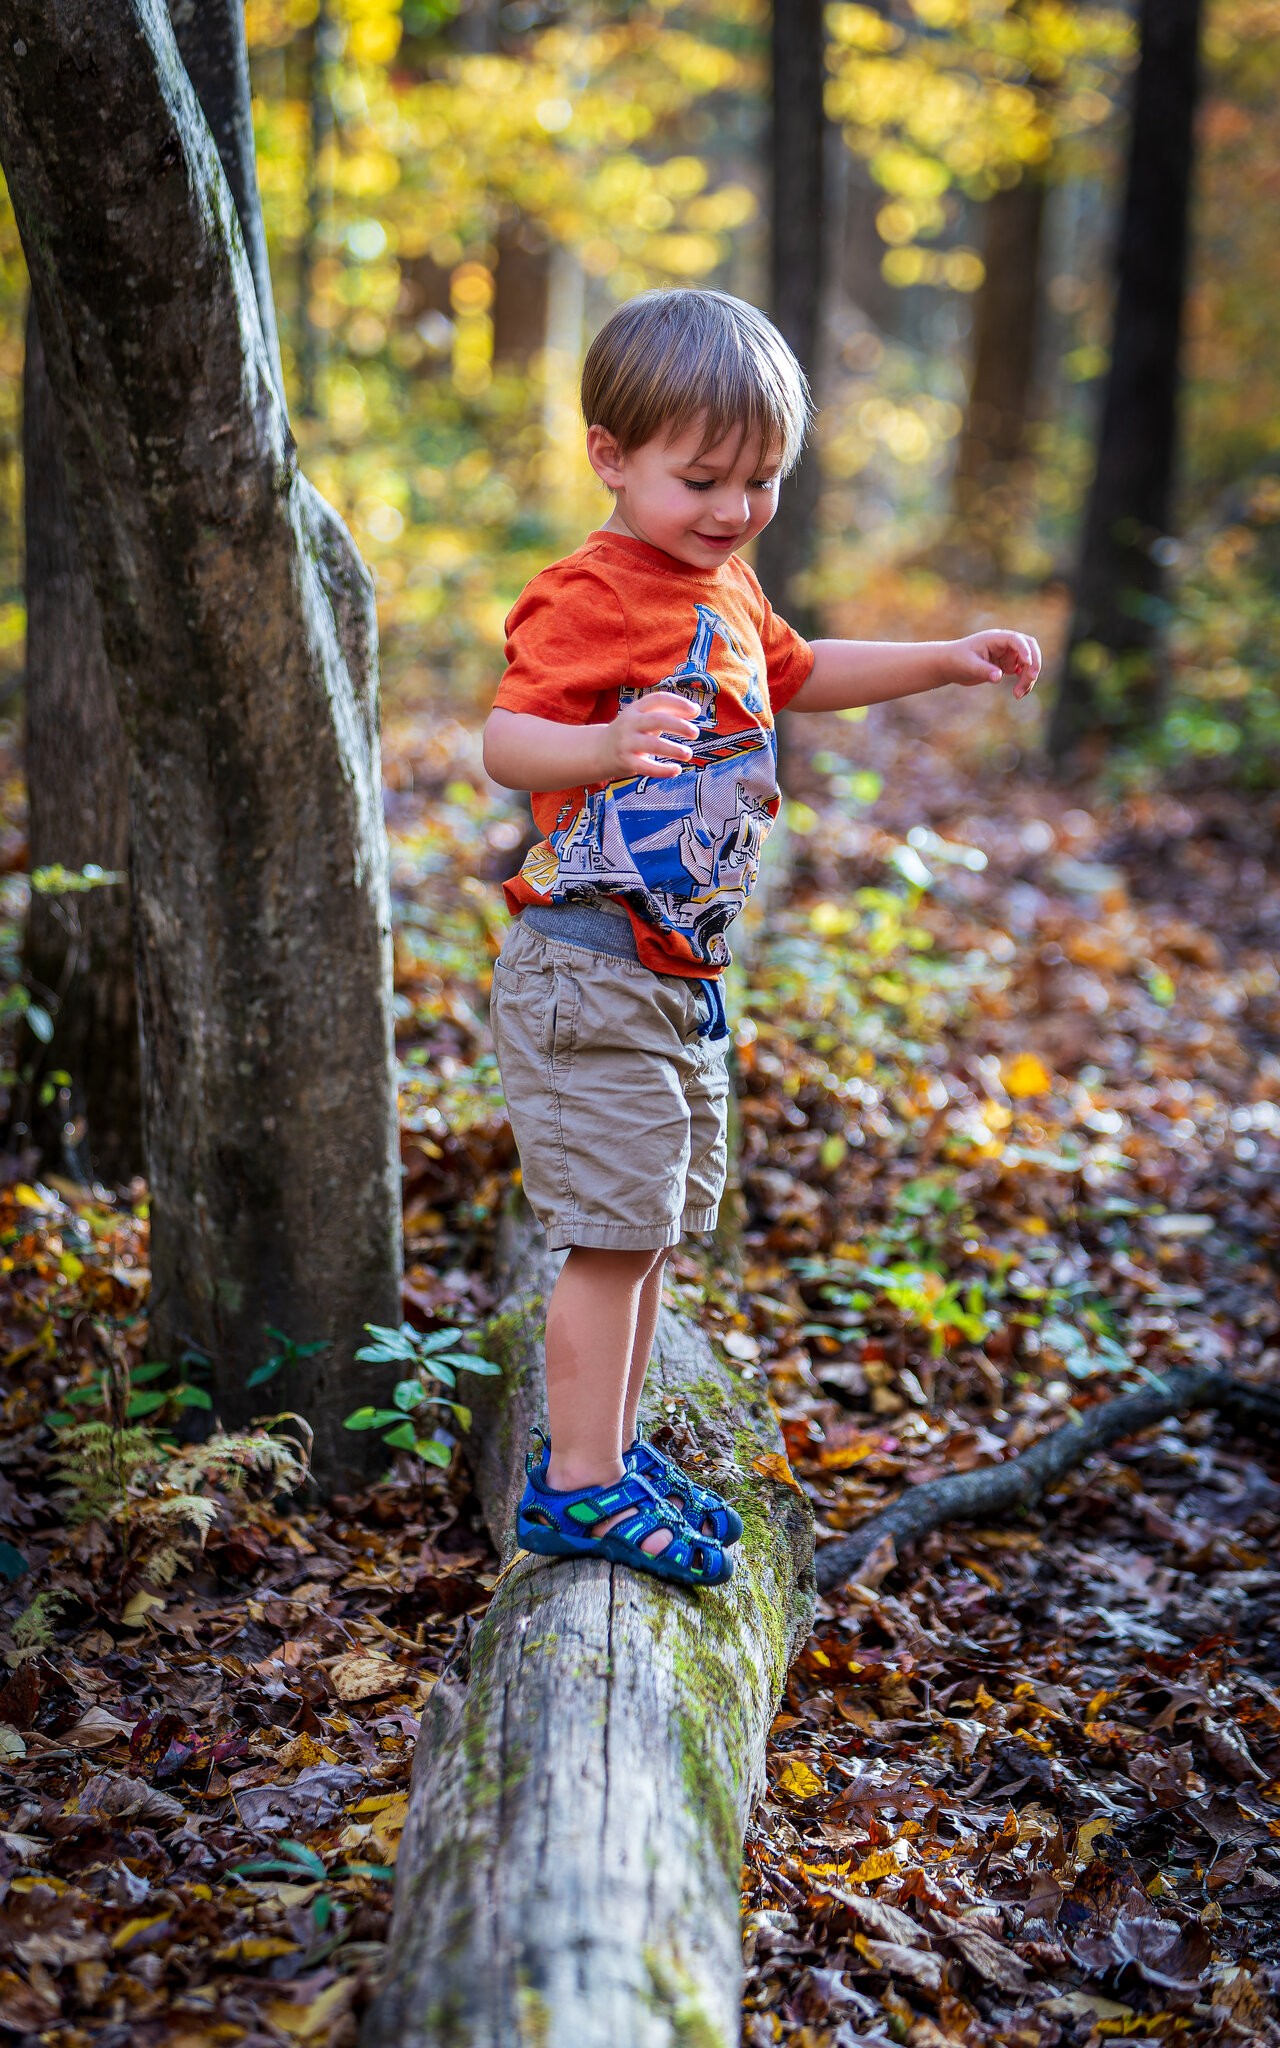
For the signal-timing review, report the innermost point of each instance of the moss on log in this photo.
(571, 1865)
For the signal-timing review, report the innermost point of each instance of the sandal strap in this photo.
(703, 1499)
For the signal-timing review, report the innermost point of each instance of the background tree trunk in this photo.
(78, 950)
(985, 504)
(240, 627)
(213, 46)
(322, 54)
(796, 276)
(1116, 619)
(78, 946)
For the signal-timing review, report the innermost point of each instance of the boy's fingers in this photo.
(663, 721)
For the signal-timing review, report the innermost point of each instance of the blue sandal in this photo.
(698, 1504)
(559, 1524)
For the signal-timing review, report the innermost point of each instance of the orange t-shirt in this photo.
(614, 620)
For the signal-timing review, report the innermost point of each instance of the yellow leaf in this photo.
(799, 1780)
(772, 1465)
(141, 1605)
(880, 1863)
(1026, 1074)
(382, 1803)
(308, 2022)
(132, 1928)
(1087, 1835)
(70, 1266)
(256, 1948)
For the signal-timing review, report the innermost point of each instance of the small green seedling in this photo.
(433, 1356)
(288, 1354)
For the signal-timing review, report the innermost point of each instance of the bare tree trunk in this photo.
(797, 271)
(311, 341)
(240, 627)
(985, 506)
(78, 946)
(1118, 584)
(212, 43)
(78, 950)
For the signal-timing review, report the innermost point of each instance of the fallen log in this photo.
(1020, 1482)
(569, 1875)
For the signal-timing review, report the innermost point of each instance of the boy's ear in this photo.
(605, 457)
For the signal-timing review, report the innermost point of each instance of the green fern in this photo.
(33, 1630)
(98, 1464)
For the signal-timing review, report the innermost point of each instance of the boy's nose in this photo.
(732, 511)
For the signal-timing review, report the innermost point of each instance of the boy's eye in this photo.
(764, 483)
(693, 484)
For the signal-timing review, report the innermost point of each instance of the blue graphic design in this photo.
(683, 851)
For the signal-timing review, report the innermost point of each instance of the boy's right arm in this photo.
(647, 737)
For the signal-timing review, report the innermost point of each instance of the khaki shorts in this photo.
(617, 1105)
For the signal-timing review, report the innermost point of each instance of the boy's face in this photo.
(699, 507)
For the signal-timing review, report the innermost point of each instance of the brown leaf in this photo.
(918, 1966)
(997, 1964)
(363, 1674)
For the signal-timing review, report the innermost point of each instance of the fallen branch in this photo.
(1019, 1483)
(570, 1869)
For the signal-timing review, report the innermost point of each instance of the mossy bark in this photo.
(570, 1870)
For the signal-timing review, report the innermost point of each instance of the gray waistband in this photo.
(601, 927)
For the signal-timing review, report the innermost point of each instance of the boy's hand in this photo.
(646, 738)
(988, 656)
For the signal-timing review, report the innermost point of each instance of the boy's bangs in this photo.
(670, 358)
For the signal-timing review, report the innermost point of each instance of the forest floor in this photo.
(1009, 1080)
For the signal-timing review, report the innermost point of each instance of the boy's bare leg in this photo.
(648, 1306)
(592, 1322)
(647, 1312)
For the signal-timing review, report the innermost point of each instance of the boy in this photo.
(644, 672)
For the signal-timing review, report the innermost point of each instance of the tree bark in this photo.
(78, 945)
(570, 1870)
(985, 505)
(1113, 680)
(240, 627)
(214, 48)
(796, 277)
(322, 53)
(1019, 1482)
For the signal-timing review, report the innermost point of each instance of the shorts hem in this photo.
(700, 1219)
(612, 1237)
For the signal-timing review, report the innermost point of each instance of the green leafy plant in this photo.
(123, 1469)
(288, 1354)
(141, 1397)
(435, 1355)
(32, 1632)
(300, 1865)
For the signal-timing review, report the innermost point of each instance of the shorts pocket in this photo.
(560, 1018)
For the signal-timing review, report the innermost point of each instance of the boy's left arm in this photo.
(847, 674)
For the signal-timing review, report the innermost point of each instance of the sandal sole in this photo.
(547, 1543)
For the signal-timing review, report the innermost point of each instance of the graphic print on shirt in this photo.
(682, 850)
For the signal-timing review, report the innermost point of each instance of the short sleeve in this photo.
(566, 645)
(788, 658)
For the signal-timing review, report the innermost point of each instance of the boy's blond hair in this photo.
(666, 358)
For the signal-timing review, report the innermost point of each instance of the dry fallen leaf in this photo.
(363, 1674)
(772, 1465)
(799, 1780)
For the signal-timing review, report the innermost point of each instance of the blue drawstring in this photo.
(716, 1026)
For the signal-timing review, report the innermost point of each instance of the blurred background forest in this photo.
(457, 194)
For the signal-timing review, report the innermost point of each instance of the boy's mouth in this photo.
(718, 540)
